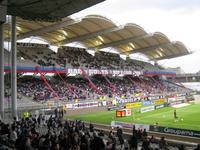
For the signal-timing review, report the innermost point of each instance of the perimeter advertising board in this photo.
(159, 106)
(133, 105)
(171, 99)
(129, 125)
(159, 101)
(82, 105)
(146, 103)
(176, 131)
(181, 98)
(147, 109)
(85, 105)
(176, 103)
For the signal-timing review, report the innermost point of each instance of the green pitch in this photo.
(188, 117)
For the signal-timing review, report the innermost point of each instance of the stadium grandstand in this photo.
(72, 98)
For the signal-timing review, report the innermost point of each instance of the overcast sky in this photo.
(178, 19)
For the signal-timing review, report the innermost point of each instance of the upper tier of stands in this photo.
(77, 57)
(40, 54)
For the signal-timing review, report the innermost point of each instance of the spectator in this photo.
(182, 147)
(163, 143)
(13, 134)
(134, 142)
(145, 144)
(198, 147)
(97, 143)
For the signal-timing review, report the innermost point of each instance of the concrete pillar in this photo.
(13, 66)
(1, 72)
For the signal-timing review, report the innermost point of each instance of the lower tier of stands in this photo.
(36, 132)
(92, 88)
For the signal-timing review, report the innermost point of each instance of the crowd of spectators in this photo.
(80, 88)
(78, 57)
(41, 55)
(38, 90)
(55, 133)
(74, 57)
(74, 87)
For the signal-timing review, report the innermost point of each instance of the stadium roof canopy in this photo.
(97, 32)
(46, 10)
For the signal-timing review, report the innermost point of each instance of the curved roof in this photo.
(98, 32)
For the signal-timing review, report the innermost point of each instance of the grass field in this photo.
(189, 117)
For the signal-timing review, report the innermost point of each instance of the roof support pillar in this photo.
(3, 11)
(13, 66)
(1, 72)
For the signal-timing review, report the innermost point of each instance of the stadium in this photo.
(92, 95)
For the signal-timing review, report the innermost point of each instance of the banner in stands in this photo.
(104, 71)
(147, 109)
(73, 71)
(180, 94)
(122, 100)
(119, 100)
(176, 131)
(50, 104)
(129, 125)
(158, 73)
(133, 105)
(69, 106)
(154, 97)
(104, 103)
(30, 69)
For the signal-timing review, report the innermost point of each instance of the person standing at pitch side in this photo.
(175, 115)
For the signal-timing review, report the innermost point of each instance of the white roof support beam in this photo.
(124, 41)
(172, 56)
(90, 35)
(47, 29)
(143, 50)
